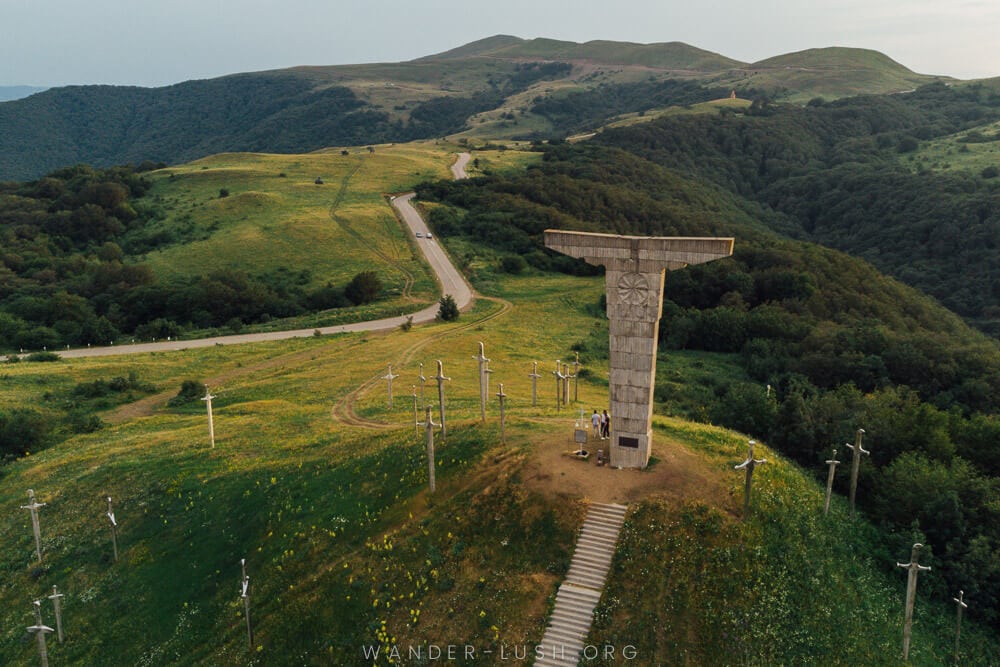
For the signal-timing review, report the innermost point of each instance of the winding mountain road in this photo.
(452, 282)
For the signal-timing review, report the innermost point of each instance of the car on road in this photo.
(429, 235)
(420, 235)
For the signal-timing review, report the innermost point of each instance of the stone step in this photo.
(566, 636)
(557, 658)
(575, 609)
(557, 647)
(572, 619)
(605, 517)
(605, 534)
(571, 591)
(599, 571)
(598, 511)
(593, 551)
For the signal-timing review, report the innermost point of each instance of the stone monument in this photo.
(634, 269)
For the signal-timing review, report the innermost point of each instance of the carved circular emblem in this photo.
(633, 289)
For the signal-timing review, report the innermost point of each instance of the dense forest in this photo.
(832, 173)
(66, 277)
(839, 345)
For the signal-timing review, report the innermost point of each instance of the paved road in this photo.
(451, 280)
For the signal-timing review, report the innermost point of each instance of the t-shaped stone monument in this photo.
(634, 268)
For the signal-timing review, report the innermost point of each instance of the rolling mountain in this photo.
(489, 88)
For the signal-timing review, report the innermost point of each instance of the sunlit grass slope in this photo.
(971, 151)
(276, 216)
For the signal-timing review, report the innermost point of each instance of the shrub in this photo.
(43, 356)
(449, 309)
(191, 390)
(513, 264)
(363, 288)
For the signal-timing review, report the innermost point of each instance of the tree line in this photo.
(66, 277)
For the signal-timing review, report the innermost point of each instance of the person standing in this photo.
(595, 423)
(605, 426)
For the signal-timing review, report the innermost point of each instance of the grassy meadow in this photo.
(957, 152)
(277, 217)
(322, 486)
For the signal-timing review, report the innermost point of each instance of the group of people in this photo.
(601, 423)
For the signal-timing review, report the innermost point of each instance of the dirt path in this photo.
(677, 473)
(344, 410)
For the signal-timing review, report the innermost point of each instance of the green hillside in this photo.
(484, 89)
(234, 241)
(666, 56)
(341, 537)
(320, 485)
(831, 73)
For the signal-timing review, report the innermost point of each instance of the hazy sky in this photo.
(150, 43)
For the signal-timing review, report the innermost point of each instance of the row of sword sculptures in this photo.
(39, 629)
(913, 567)
(562, 377)
(562, 391)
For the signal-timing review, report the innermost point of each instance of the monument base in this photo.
(630, 450)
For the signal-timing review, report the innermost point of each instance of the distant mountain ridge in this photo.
(9, 93)
(498, 87)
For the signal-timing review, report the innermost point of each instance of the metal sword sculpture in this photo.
(56, 598)
(114, 528)
(483, 365)
(33, 507)
(959, 606)
(440, 377)
(749, 465)
(211, 422)
(913, 569)
(503, 416)
(422, 381)
(390, 377)
(559, 380)
(429, 424)
(245, 595)
(858, 451)
(40, 630)
(833, 463)
(534, 375)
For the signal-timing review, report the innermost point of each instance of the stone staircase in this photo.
(579, 593)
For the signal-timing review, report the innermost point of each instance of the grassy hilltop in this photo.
(321, 486)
